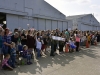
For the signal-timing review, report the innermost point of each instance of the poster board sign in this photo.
(58, 38)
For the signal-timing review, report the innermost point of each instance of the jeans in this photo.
(13, 59)
(52, 49)
(38, 52)
(77, 46)
(5, 51)
(28, 58)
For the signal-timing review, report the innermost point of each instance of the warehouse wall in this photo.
(21, 13)
(91, 21)
(31, 7)
(15, 21)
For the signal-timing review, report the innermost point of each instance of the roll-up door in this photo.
(12, 21)
(90, 27)
(31, 23)
(36, 23)
(83, 27)
(20, 22)
(64, 25)
(54, 25)
(60, 25)
(41, 24)
(25, 22)
(48, 24)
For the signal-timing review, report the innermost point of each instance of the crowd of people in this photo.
(25, 43)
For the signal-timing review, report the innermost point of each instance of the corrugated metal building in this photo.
(41, 16)
(37, 13)
(84, 22)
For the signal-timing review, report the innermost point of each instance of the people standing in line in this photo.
(6, 42)
(61, 44)
(23, 37)
(38, 46)
(98, 36)
(55, 43)
(15, 37)
(31, 41)
(89, 38)
(67, 34)
(1, 42)
(77, 39)
(45, 43)
(52, 45)
(13, 55)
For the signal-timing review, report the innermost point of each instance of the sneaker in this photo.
(30, 62)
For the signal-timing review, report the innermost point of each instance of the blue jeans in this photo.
(28, 58)
(38, 52)
(5, 51)
(13, 59)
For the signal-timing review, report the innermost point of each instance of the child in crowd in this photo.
(38, 46)
(95, 41)
(72, 45)
(5, 64)
(27, 54)
(13, 54)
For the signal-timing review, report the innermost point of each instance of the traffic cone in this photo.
(67, 48)
(87, 44)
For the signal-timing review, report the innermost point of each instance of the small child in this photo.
(27, 55)
(5, 64)
(13, 54)
(72, 45)
(38, 46)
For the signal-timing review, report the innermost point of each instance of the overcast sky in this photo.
(76, 7)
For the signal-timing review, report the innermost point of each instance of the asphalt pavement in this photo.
(85, 62)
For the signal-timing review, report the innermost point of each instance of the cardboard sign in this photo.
(58, 38)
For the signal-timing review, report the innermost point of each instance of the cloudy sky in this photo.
(75, 7)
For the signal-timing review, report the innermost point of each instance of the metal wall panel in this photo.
(48, 24)
(54, 25)
(31, 23)
(36, 23)
(25, 22)
(12, 21)
(20, 19)
(64, 25)
(83, 27)
(41, 24)
(60, 25)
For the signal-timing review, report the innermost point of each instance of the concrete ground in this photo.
(85, 62)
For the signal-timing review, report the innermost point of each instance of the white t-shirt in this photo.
(38, 44)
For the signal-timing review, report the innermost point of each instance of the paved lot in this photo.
(86, 62)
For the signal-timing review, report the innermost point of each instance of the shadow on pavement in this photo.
(48, 62)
